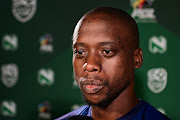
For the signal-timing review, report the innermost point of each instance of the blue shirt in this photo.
(142, 111)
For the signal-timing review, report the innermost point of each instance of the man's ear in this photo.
(138, 57)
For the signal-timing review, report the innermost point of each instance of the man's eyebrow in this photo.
(78, 44)
(100, 43)
(107, 43)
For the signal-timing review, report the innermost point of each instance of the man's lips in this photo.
(92, 88)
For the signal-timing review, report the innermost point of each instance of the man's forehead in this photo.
(99, 18)
(98, 28)
(108, 19)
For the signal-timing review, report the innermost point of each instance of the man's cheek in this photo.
(76, 69)
(78, 65)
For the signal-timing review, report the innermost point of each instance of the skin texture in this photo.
(106, 53)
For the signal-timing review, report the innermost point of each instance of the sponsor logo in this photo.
(8, 108)
(142, 11)
(44, 111)
(162, 110)
(157, 79)
(23, 10)
(76, 106)
(157, 44)
(9, 74)
(46, 43)
(10, 42)
(46, 76)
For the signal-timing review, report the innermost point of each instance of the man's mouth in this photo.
(92, 88)
(91, 85)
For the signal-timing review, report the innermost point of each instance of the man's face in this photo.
(103, 65)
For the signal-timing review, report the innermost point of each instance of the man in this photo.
(106, 53)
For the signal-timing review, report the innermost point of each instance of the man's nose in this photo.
(92, 64)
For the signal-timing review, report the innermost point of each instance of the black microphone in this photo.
(80, 117)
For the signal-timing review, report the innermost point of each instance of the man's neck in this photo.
(119, 107)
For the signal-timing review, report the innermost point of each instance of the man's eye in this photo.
(79, 53)
(107, 52)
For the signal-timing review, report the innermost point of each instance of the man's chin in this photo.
(91, 99)
(101, 103)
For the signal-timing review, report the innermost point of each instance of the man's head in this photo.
(105, 54)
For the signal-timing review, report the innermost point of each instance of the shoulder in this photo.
(148, 112)
(75, 112)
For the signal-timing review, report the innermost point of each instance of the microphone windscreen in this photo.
(80, 117)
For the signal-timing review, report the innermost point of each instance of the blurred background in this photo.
(36, 56)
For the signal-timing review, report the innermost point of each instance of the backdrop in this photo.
(35, 55)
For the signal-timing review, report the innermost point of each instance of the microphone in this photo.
(80, 117)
